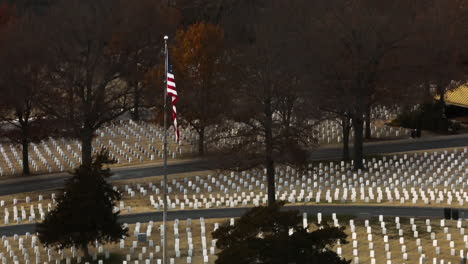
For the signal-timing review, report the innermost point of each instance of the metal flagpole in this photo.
(164, 245)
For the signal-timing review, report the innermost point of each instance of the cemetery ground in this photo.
(373, 240)
(141, 143)
(402, 179)
(391, 180)
(436, 178)
(48, 181)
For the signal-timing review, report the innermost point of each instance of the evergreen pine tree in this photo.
(84, 212)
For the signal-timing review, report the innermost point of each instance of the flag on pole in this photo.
(171, 90)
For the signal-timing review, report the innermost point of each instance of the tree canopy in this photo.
(200, 62)
(85, 210)
(276, 236)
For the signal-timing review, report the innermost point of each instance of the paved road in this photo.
(358, 211)
(320, 154)
(403, 145)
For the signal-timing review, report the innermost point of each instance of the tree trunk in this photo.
(358, 124)
(368, 122)
(85, 249)
(86, 146)
(442, 102)
(136, 103)
(201, 141)
(23, 119)
(346, 129)
(271, 180)
(25, 144)
(269, 163)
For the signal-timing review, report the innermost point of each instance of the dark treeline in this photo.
(274, 68)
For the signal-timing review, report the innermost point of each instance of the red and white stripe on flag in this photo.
(171, 90)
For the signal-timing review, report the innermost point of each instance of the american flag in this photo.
(171, 90)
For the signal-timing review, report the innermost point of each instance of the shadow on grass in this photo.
(114, 258)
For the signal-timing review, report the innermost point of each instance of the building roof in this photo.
(458, 96)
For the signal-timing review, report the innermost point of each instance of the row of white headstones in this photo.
(462, 250)
(142, 250)
(330, 131)
(132, 142)
(127, 142)
(143, 244)
(439, 178)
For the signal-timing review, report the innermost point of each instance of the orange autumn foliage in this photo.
(198, 56)
(197, 49)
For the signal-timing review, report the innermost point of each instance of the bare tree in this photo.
(23, 79)
(356, 38)
(272, 103)
(86, 86)
(143, 27)
(336, 106)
